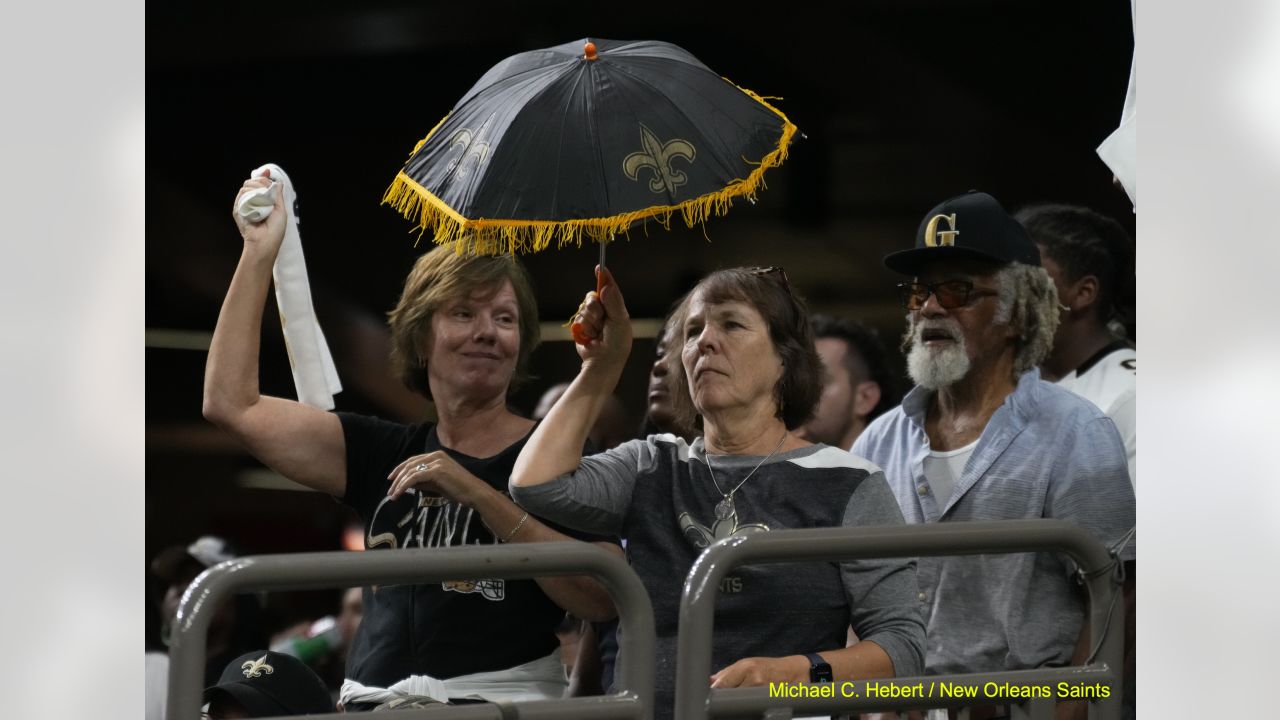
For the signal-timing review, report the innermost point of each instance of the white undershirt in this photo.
(942, 468)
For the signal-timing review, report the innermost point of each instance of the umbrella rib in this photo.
(528, 94)
(512, 79)
(595, 134)
(535, 94)
(564, 119)
(638, 48)
(515, 76)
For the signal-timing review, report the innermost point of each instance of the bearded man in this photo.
(982, 437)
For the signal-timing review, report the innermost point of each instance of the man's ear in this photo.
(1082, 294)
(865, 397)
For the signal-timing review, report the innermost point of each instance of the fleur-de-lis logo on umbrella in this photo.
(657, 156)
(465, 140)
(255, 668)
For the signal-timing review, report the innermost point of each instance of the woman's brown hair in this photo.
(769, 292)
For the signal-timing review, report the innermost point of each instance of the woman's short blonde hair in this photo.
(441, 276)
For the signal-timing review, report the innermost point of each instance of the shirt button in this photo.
(923, 490)
(923, 597)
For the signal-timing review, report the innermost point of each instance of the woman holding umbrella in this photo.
(462, 334)
(753, 377)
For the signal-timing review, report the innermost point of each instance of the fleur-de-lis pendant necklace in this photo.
(725, 508)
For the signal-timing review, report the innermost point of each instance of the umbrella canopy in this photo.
(586, 138)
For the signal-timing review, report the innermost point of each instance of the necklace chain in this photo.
(729, 495)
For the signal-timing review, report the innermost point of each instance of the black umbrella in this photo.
(587, 138)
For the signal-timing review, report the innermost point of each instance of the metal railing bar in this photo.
(346, 569)
(1035, 710)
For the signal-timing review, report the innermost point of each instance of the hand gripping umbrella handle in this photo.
(577, 330)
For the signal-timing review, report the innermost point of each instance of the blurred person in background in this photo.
(1090, 258)
(610, 429)
(660, 414)
(857, 386)
(236, 626)
(462, 333)
(349, 616)
(324, 644)
(753, 377)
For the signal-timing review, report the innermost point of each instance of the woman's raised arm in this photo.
(556, 445)
(301, 442)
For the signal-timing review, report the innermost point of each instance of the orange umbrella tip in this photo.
(589, 51)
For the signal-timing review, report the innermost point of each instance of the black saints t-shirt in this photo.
(442, 629)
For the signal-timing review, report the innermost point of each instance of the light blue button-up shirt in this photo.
(1045, 453)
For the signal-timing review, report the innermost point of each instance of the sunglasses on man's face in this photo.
(951, 294)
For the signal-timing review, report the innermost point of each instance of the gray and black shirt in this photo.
(658, 495)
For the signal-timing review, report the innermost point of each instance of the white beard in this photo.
(937, 368)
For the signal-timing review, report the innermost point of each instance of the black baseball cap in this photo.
(267, 684)
(972, 226)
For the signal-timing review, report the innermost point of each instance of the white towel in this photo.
(541, 679)
(1120, 150)
(314, 374)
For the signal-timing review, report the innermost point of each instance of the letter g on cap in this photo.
(946, 238)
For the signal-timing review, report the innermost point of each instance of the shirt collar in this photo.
(1105, 351)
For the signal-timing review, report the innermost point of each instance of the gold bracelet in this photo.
(516, 529)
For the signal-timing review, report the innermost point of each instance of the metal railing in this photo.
(694, 699)
(308, 571)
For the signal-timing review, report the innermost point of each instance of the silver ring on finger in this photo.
(419, 467)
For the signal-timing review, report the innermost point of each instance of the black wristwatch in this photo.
(819, 669)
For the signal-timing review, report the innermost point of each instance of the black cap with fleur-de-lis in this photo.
(268, 684)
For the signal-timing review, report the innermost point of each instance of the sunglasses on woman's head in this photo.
(773, 270)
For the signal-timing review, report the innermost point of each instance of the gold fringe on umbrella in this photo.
(484, 236)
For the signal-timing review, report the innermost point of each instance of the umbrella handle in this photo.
(577, 330)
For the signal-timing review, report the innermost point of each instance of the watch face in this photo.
(819, 669)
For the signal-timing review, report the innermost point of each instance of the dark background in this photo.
(904, 103)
